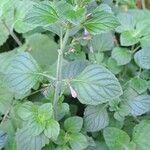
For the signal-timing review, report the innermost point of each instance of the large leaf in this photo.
(142, 58)
(121, 55)
(115, 138)
(141, 135)
(22, 74)
(95, 118)
(100, 22)
(27, 142)
(73, 124)
(41, 14)
(43, 49)
(96, 85)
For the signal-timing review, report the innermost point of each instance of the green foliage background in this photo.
(74, 75)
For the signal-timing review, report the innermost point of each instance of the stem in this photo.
(143, 4)
(63, 42)
(12, 34)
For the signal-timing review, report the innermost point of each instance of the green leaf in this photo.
(142, 58)
(121, 55)
(63, 148)
(69, 13)
(74, 68)
(73, 124)
(129, 38)
(95, 118)
(3, 138)
(139, 85)
(138, 105)
(52, 129)
(43, 49)
(6, 98)
(22, 8)
(96, 57)
(61, 111)
(102, 42)
(22, 73)
(145, 41)
(36, 127)
(113, 66)
(27, 142)
(96, 85)
(78, 141)
(127, 22)
(115, 138)
(41, 14)
(4, 34)
(5, 60)
(141, 135)
(25, 110)
(98, 146)
(101, 22)
(46, 110)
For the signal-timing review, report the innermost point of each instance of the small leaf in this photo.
(52, 129)
(115, 138)
(95, 118)
(22, 73)
(142, 58)
(73, 124)
(121, 55)
(78, 141)
(96, 85)
(101, 22)
(41, 14)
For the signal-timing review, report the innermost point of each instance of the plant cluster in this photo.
(74, 75)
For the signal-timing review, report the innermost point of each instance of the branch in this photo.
(12, 34)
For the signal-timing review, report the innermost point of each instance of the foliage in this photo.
(74, 75)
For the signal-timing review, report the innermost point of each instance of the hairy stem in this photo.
(63, 42)
(12, 34)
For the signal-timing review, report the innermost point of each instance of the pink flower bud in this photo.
(73, 92)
